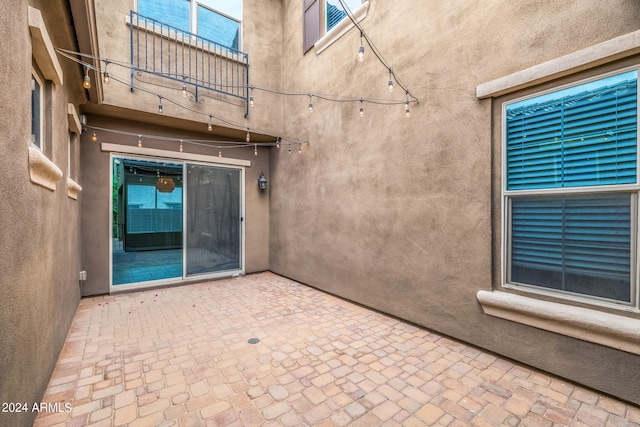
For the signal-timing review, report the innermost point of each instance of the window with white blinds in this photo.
(561, 234)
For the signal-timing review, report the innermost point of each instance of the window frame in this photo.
(35, 77)
(324, 14)
(319, 37)
(508, 195)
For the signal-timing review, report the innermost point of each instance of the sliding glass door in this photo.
(173, 220)
(213, 233)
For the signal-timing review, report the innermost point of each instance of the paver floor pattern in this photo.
(180, 357)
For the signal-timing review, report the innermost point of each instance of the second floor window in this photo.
(334, 12)
(216, 20)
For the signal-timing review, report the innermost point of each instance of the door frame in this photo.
(155, 155)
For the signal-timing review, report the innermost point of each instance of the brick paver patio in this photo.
(181, 357)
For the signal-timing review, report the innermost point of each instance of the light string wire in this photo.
(327, 97)
(376, 52)
(209, 143)
(236, 126)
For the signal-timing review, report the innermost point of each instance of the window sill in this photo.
(73, 189)
(341, 28)
(611, 330)
(43, 171)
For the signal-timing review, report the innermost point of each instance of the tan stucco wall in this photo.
(397, 213)
(39, 228)
(96, 189)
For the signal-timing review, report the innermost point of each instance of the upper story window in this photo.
(37, 98)
(571, 190)
(334, 12)
(322, 16)
(216, 20)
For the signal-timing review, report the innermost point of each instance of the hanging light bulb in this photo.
(219, 153)
(139, 141)
(209, 126)
(248, 138)
(94, 137)
(160, 109)
(184, 90)
(361, 49)
(255, 150)
(105, 78)
(289, 148)
(278, 142)
(390, 81)
(361, 109)
(310, 104)
(181, 146)
(251, 103)
(86, 83)
(299, 148)
(406, 106)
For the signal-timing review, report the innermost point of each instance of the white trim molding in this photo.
(611, 330)
(42, 48)
(43, 171)
(592, 56)
(154, 152)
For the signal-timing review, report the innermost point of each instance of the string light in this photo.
(289, 149)
(105, 77)
(299, 148)
(209, 126)
(333, 98)
(361, 50)
(248, 138)
(251, 103)
(255, 150)
(361, 109)
(181, 146)
(160, 109)
(219, 153)
(278, 142)
(139, 141)
(184, 90)
(86, 83)
(94, 137)
(406, 107)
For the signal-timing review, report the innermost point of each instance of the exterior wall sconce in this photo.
(262, 182)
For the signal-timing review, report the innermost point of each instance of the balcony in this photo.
(195, 62)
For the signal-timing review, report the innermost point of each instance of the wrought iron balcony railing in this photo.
(196, 62)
